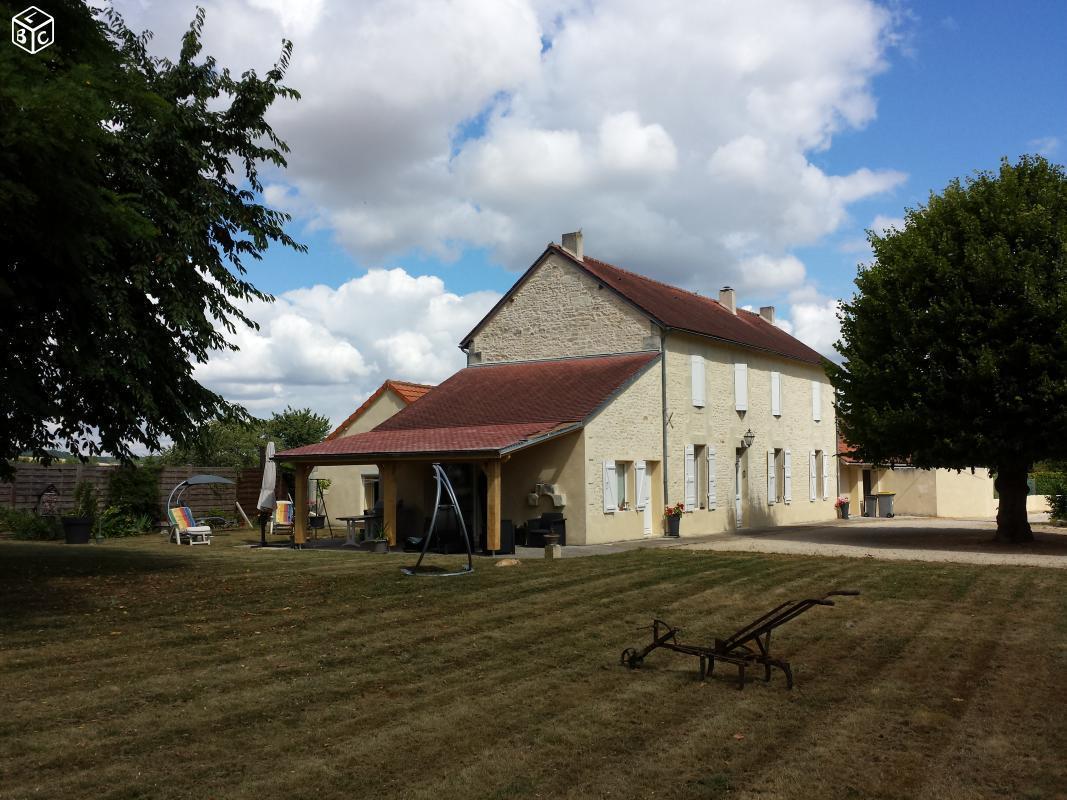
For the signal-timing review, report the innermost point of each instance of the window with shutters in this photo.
(820, 475)
(696, 370)
(712, 484)
(787, 479)
(776, 394)
(777, 471)
(816, 401)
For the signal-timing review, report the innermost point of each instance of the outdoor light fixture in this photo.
(748, 438)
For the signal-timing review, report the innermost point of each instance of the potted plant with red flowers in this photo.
(673, 514)
(841, 504)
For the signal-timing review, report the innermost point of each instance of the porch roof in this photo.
(490, 410)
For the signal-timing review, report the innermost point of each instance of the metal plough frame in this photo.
(749, 646)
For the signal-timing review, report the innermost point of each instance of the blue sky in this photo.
(970, 83)
(438, 147)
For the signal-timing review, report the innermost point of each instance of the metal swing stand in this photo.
(320, 500)
(442, 480)
(748, 646)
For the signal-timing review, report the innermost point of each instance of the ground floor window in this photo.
(622, 478)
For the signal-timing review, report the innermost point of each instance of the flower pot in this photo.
(843, 508)
(77, 530)
(378, 545)
(317, 521)
(674, 525)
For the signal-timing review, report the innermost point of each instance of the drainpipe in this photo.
(663, 403)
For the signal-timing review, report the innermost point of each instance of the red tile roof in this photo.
(406, 391)
(672, 307)
(493, 407)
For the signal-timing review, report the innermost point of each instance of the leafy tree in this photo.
(955, 347)
(126, 232)
(220, 443)
(297, 427)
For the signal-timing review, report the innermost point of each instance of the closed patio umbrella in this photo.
(266, 492)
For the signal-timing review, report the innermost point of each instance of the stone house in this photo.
(579, 381)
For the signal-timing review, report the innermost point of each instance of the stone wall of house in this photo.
(627, 430)
(560, 311)
(718, 425)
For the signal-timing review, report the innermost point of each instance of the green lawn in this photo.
(140, 669)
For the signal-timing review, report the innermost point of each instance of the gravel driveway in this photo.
(901, 538)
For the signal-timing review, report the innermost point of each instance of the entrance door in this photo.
(737, 489)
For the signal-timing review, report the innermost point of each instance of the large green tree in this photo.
(129, 189)
(955, 346)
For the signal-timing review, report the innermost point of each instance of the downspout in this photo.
(663, 404)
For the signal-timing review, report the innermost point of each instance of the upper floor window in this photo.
(696, 374)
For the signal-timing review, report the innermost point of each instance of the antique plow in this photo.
(748, 647)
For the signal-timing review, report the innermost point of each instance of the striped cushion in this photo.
(182, 518)
(283, 513)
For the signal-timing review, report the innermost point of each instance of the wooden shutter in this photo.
(772, 492)
(690, 478)
(811, 474)
(696, 369)
(712, 486)
(825, 476)
(639, 484)
(741, 387)
(816, 401)
(776, 394)
(788, 474)
(611, 501)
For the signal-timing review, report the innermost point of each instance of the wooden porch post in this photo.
(300, 504)
(492, 505)
(387, 474)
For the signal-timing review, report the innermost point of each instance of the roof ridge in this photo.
(563, 358)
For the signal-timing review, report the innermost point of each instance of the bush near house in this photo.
(27, 525)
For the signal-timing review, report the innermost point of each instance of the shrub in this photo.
(116, 522)
(85, 500)
(135, 489)
(1056, 491)
(26, 525)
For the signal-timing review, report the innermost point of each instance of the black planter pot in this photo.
(844, 510)
(77, 530)
(674, 525)
(317, 521)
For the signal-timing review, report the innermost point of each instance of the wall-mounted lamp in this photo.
(748, 439)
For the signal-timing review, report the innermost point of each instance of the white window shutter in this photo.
(611, 501)
(776, 394)
(825, 476)
(639, 484)
(741, 387)
(816, 401)
(697, 375)
(712, 487)
(811, 475)
(771, 488)
(788, 476)
(690, 478)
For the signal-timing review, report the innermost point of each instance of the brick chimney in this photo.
(728, 299)
(767, 312)
(572, 243)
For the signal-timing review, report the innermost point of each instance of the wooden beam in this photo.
(300, 504)
(387, 476)
(492, 505)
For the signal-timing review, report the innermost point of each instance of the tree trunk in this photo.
(1012, 525)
